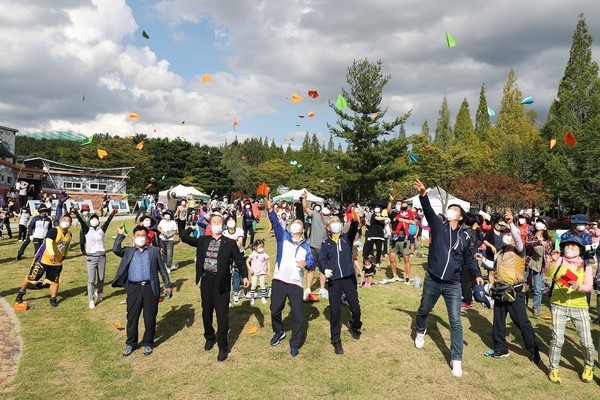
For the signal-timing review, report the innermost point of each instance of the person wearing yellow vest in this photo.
(509, 271)
(571, 280)
(48, 260)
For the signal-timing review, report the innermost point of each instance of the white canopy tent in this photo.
(295, 195)
(438, 197)
(182, 192)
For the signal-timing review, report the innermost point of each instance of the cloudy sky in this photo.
(55, 53)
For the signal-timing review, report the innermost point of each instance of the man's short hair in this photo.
(140, 228)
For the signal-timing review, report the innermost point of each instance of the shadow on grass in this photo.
(7, 260)
(174, 321)
(186, 263)
(238, 318)
(433, 330)
(178, 284)
(572, 353)
(116, 293)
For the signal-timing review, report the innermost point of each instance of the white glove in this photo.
(328, 273)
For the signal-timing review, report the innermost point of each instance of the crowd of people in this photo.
(512, 252)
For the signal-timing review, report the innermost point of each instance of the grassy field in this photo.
(73, 352)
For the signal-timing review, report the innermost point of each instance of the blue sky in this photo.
(261, 52)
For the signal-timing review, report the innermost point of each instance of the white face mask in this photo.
(231, 224)
(147, 224)
(336, 227)
(377, 210)
(65, 225)
(167, 217)
(295, 228)
(326, 211)
(94, 222)
(580, 228)
(398, 207)
(85, 213)
(507, 239)
(451, 214)
(522, 221)
(248, 207)
(318, 208)
(571, 252)
(139, 241)
(216, 229)
(260, 250)
(540, 227)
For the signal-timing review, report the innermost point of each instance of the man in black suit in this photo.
(213, 259)
(138, 274)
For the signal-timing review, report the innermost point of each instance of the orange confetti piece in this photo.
(140, 145)
(252, 330)
(206, 78)
(102, 153)
(552, 143)
(148, 186)
(292, 139)
(117, 325)
(310, 114)
(313, 94)
(296, 98)
(129, 137)
(374, 116)
(133, 116)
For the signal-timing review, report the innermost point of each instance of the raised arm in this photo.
(110, 217)
(187, 238)
(117, 248)
(307, 210)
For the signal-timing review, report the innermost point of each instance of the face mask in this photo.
(167, 217)
(377, 210)
(147, 223)
(571, 252)
(65, 225)
(43, 215)
(326, 211)
(317, 208)
(85, 213)
(336, 227)
(216, 229)
(507, 239)
(540, 227)
(522, 221)
(580, 228)
(404, 208)
(231, 224)
(139, 241)
(260, 250)
(398, 208)
(295, 228)
(247, 207)
(451, 214)
(94, 222)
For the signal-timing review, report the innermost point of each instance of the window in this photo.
(9, 179)
(72, 185)
(98, 186)
(1, 178)
(30, 176)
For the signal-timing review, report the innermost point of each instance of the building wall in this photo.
(86, 184)
(8, 177)
(7, 136)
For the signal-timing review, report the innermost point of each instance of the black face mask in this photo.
(404, 208)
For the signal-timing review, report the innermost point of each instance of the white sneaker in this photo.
(91, 304)
(99, 298)
(95, 295)
(323, 293)
(305, 295)
(236, 299)
(230, 305)
(456, 368)
(420, 340)
(264, 301)
(251, 302)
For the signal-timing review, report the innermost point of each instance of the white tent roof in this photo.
(295, 195)
(436, 200)
(182, 191)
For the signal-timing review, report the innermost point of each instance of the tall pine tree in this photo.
(482, 118)
(443, 129)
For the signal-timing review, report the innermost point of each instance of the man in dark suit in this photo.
(213, 259)
(138, 274)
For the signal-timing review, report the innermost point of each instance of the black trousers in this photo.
(180, 226)
(518, 314)
(369, 249)
(141, 298)
(336, 287)
(248, 228)
(6, 223)
(279, 293)
(36, 245)
(213, 301)
(465, 285)
(22, 232)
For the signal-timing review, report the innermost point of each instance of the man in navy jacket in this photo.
(449, 252)
(335, 262)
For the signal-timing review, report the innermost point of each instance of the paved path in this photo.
(10, 341)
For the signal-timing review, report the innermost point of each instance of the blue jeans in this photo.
(433, 288)
(237, 280)
(536, 287)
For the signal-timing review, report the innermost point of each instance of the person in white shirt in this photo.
(167, 229)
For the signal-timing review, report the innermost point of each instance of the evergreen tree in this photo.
(443, 129)
(425, 132)
(362, 133)
(330, 144)
(463, 128)
(482, 118)
(402, 132)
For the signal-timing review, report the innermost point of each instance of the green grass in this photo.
(75, 353)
